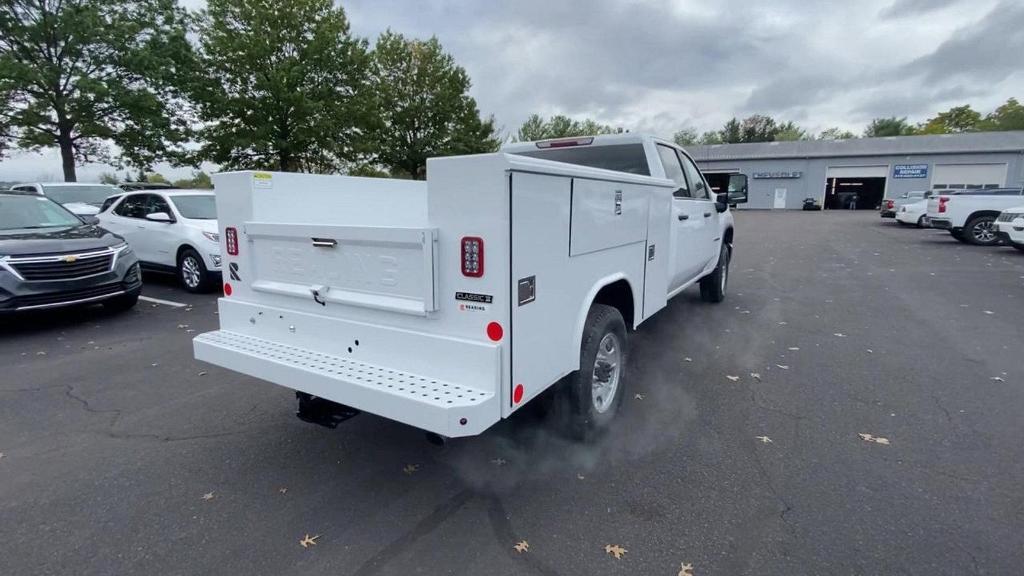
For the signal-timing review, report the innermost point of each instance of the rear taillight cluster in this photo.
(889, 204)
(231, 240)
(942, 203)
(472, 256)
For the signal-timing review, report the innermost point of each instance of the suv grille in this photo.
(1009, 216)
(63, 267)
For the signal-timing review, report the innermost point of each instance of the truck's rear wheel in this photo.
(594, 392)
(981, 231)
(712, 286)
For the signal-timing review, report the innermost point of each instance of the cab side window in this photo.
(674, 170)
(133, 206)
(698, 187)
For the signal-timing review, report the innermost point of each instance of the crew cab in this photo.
(970, 215)
(450, 304)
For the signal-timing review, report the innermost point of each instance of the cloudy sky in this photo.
(659, 65)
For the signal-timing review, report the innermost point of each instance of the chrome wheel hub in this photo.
(607, 369)
(984, 231)
(190, 271)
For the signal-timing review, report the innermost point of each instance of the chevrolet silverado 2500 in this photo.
(449, 304)
(970, 215)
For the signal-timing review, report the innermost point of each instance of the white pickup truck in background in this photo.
(970, 215)
(448, 304)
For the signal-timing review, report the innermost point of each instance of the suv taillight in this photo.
(472, 256)
(942, 203)
(231, 240)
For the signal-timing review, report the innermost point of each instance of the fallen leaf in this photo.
(154, 364)
(839, 335)
(638, 396)
(755, 376)
(499, 462)
(745, 312)
(870, 351)
(733, 378)
(615, 550)
(783, 366)
(997, 379)
(579, 476)
(685, 569)
(208, 496)
(40, 353)
(180, 326)
(411, 468)
(521, 547)
(875, 439)
(764, 439)
(687, 359)
(793, 348)
(782, 323)
(989, 312)
(308, 541)
(203, 373)
(1, 455)
(282, 490)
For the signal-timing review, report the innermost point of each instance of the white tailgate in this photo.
(386, 268)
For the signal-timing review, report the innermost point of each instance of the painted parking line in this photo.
(164, 302)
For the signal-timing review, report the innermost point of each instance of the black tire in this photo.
(192, 272)
(958, 235)
(713, 286)
(980, 231)
(920, 221)
(577, 408)
(121, 303)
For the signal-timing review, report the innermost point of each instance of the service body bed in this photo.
(353, 289)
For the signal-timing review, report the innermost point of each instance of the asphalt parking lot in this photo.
(123, 455)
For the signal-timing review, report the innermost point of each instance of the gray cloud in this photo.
(986, 51)
(906, 8)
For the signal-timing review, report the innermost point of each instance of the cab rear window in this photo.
(628, 158)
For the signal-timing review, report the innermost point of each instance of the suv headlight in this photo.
(213, 236)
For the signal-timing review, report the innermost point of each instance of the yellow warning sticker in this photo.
(262, 180)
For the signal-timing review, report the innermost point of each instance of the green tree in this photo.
(109, 178)
(758, 128)
(560, 126)
(79, 74)
(711, 137)
(284, 86)
(156, 178)
(892, 126)
(199, 179)
(788, 131)
(1009, 116)
(731, 133)
(686, 137)
(424, 106)
(953, 121)
(835, 133)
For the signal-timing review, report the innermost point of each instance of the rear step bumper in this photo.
(446, 408)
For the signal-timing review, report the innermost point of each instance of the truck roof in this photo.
(596, 140)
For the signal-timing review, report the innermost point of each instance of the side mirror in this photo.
(737, 188)
(159, 217)
(722, 202)
(90, 220)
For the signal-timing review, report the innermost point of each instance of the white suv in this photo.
(1010, 227)
(170, 231)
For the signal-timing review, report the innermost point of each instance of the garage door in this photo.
(959, 176)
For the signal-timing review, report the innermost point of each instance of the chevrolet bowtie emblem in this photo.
(69, 259)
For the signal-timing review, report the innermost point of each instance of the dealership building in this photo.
(863, 171)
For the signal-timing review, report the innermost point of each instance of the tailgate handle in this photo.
(325, 242)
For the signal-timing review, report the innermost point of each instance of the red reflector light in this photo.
(942, 203)
(472, 256)
(231, 239)
(227, 289)
(495, 331)
(565, 143)
(517, 394)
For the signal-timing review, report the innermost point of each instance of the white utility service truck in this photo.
(451, 303)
